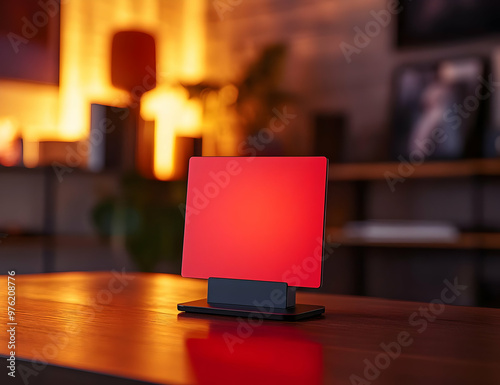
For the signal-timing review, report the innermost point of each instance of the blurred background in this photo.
(103, 102)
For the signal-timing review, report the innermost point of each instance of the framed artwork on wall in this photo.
(431, 22)
(440, 109)
(29, 40)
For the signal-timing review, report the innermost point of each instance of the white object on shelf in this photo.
(401, 231)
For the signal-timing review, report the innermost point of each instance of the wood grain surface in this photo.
(127, 325)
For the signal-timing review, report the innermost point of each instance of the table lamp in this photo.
(254, 227)
(133, 69)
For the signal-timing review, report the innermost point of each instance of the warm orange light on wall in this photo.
(33, 107)
(9, 147)
(193, 41)
(87, 27)
(163, 106)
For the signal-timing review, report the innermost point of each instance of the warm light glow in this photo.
(31, 151)
(9, 148)
(190, 119)
(193, 40)
(33, 106)
(8, 131)
(87, 29)
(164, 105)
(49, 112)
(86, 58)
(174, 115)
(229, 94)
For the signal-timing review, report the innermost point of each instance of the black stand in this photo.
(252, 299)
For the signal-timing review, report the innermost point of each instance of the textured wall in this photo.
(317, 69)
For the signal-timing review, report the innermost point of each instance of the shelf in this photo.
(487, 241)
(490, 167)
(448, 169)
(59, 240)
(40, 170)
(466, 241)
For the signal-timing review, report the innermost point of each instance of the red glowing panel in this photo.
(257, 218)
(269, 357)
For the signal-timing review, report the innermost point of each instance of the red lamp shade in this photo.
(133, 62)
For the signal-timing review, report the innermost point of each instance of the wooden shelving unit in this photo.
(466, 241)
(46, 237)
(356, 179)
(449, 169)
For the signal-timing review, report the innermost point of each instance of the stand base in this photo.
(296, 313)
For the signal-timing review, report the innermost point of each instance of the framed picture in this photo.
(29, 40)
(439, 109)
(430, 22)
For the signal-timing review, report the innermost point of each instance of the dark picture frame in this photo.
(434, 22)
(440, 109)
(30, 40)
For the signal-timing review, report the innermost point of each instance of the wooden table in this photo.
(128, 326)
